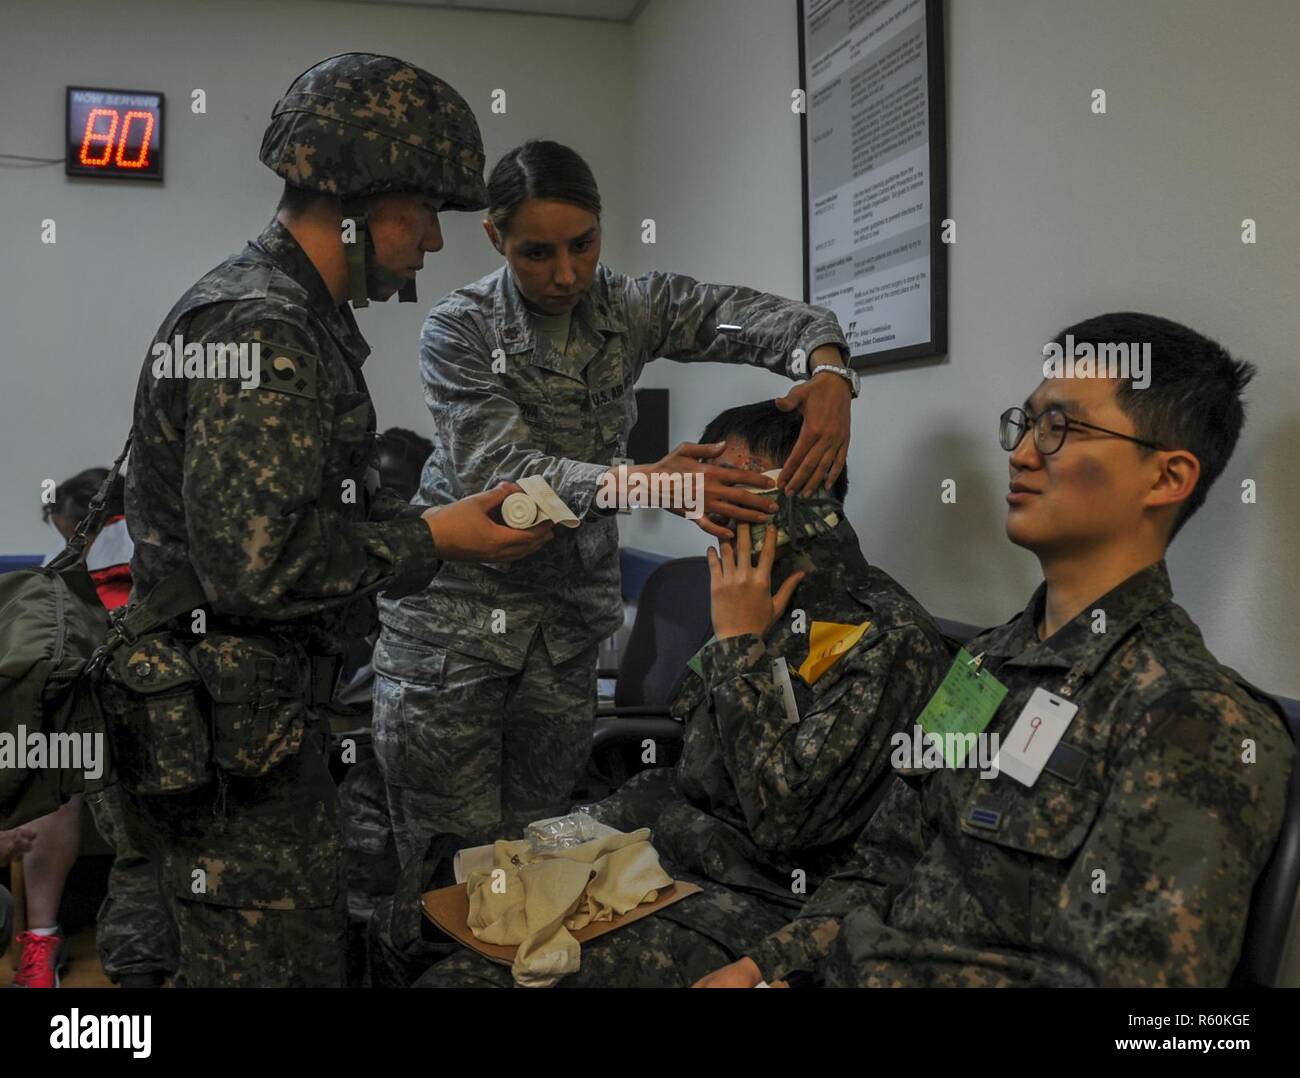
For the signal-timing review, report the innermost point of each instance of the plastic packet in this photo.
(561, 833)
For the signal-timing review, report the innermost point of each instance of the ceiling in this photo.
(624, 11)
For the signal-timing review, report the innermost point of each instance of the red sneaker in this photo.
(40, 964)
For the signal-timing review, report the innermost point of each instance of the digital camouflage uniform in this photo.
(370, 856)
(960, 881)
(760, 809)
(485, 681)
(134, 932)
(266, 492)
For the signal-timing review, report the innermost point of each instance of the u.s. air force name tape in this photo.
(538, 502)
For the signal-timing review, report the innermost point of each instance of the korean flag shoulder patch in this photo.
(286, 369)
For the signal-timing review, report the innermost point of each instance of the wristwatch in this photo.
(847, 373)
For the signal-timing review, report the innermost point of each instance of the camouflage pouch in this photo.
(257, 686)
(152, 696)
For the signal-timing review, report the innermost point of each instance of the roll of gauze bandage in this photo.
(519, 511)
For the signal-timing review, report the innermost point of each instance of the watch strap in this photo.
(842, 372)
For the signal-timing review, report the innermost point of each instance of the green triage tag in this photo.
(695, 662)
(964, 703)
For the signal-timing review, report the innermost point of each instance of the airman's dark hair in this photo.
(539, 169)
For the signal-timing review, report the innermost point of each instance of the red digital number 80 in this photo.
(92, 136)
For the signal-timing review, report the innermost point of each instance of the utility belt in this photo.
(321, 671)
(182, 710)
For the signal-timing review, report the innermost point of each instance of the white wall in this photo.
(78, 316)
(1060, 215)
(685, 118)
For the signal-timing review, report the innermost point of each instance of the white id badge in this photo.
(1024, 752)
(781, 675)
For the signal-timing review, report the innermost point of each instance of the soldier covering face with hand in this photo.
(782, 761)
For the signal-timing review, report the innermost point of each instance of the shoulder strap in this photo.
(171, 596)
(75, 552)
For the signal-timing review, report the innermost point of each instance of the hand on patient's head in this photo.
(761, 438)
(739, 456)
(722, 492)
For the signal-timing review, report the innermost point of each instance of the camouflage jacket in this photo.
(265, 489)
(765, 803)
(1130, 862)
(506, 403)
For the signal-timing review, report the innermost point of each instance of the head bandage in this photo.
(798, 518)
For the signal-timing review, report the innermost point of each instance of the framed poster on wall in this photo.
(874, 172)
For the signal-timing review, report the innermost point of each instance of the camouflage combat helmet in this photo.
(359, 124)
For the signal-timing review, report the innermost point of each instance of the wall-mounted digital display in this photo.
(114, 133)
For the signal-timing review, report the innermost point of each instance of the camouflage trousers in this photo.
(369, 857)
(134, 930)
(252, 871)
(369, 854)
(473, 747)
(673, 948)
(230, 947)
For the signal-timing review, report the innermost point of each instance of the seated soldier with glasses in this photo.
(1140, 785)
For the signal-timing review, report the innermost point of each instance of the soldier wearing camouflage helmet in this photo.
(360, 125)
(258, 488)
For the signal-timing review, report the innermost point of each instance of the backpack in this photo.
(55, 635)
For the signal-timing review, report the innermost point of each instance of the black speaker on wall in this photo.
(648, 441)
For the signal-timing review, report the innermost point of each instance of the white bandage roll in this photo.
(519, 511)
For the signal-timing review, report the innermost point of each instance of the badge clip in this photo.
(1073, 677)
(978, 663)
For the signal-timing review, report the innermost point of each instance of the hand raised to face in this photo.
(741, 590)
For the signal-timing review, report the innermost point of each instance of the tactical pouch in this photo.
(151, 694)
(257, 686)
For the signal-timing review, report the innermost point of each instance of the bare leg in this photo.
(58, 841)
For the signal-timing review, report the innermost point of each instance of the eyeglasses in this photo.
(1050, 427)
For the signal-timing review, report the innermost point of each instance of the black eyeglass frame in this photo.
(1031, 423)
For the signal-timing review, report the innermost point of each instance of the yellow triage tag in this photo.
(827, 641)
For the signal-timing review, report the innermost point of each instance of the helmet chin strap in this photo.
(367, 279)
(355, 252)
